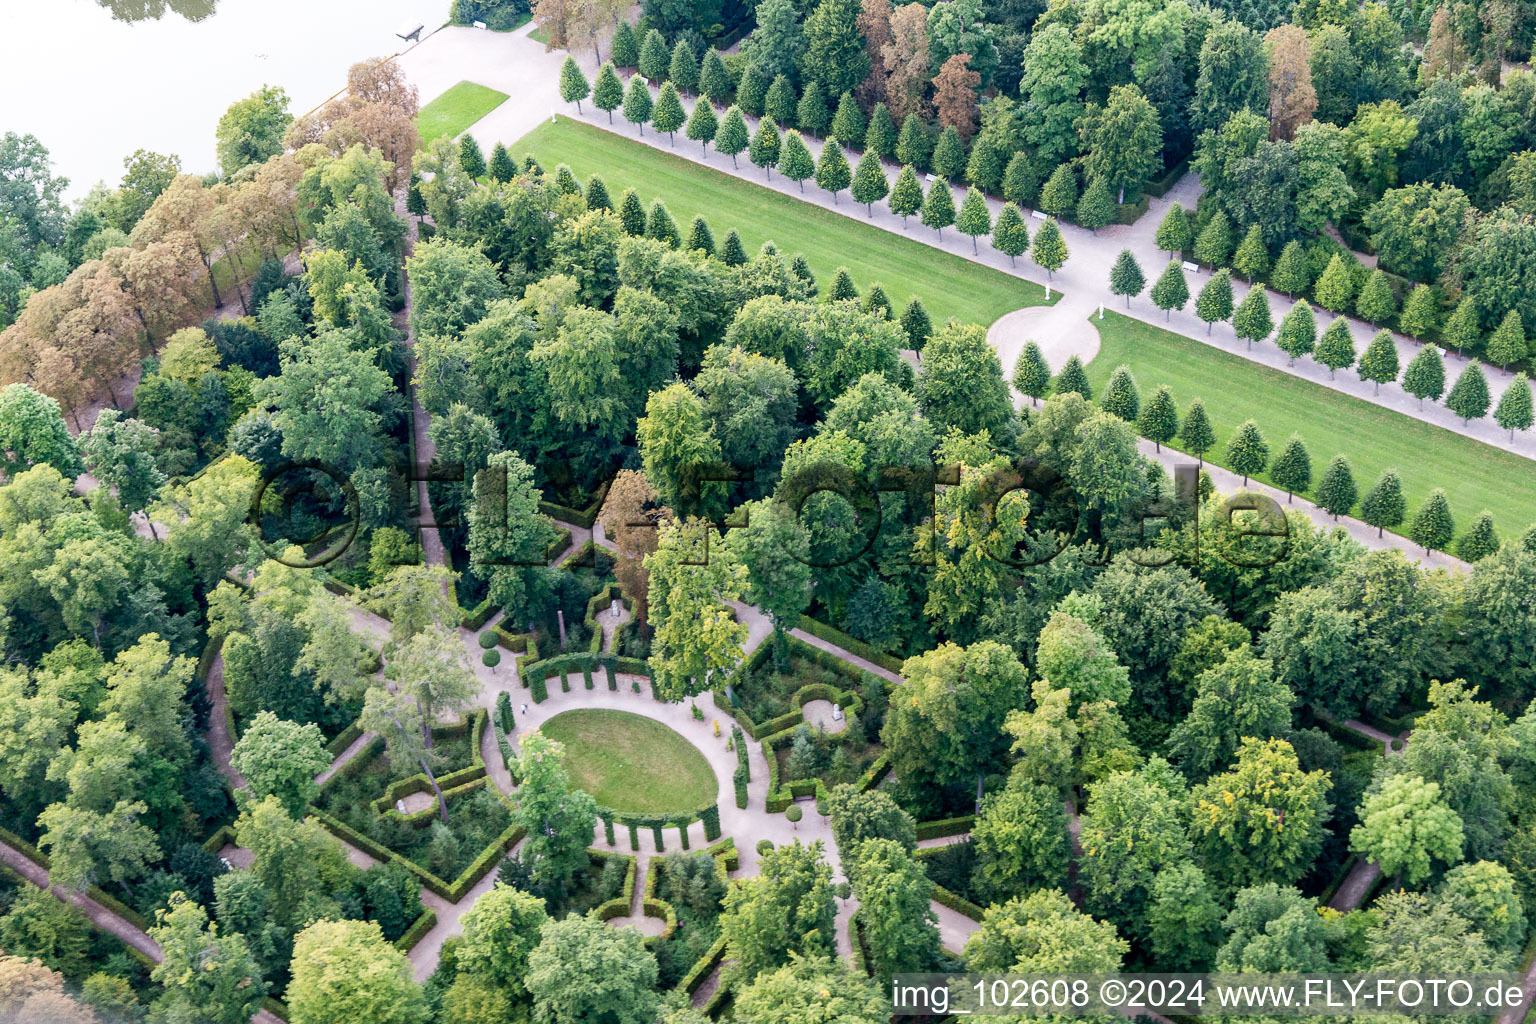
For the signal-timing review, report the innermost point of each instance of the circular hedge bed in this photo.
(632, 763)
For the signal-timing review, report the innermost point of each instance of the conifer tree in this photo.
(1252, 258)
(715, 78)
(1384, 506)
(1247, 451)
(1480, 541)
(779, 103)
(916, 322)
(1121, 396)
(668, 116)
(732, 252)
(1378, 364)
(880, 136)
(1073, 378)
(795, 161)
(764, 151)
(1433, 525)
(878, 300)
(1425, 376)
(1462, 329)
(660, 225)
(1336, 348)
(1469, 397)
(1336, 490)
(655, 58)
(573, 85)
(470, 158)
(637, 103)
(1375, 304)
(1292, 468)
(1196, 433)
(1514, 411)
(906, 195)
(1298, 332)
(702, 124)
(1173, 233)
(501, 169)
(801, 268)
(1049, 249)
(632, 213)
(700, 237)
(597, 194)
(974, 219)
(1214, 303)
(1059, 195)
(608, 92)
(869, 182)
(1507, 342)
(1336, 287)
(832, 171)
(1159, 422)
(731, 138)
(939, 207)
(565, 181)
(1020, 182)
(752, 90)
(949, 155)
(531, 166)
(843, 288)
(1292, 273)
(914, 146)
(1252, 321)
(848, 123)
(1213, 246)
(1010, 236)
(1031, 375)
(1421, 313)
(624, 50)
(1097, 206)
(1171, 291)
(812, 114)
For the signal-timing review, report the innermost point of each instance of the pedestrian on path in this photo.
(525, 709)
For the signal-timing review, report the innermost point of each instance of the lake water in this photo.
(94, 82)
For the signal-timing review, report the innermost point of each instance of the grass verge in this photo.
(632, 763)
(456, 109)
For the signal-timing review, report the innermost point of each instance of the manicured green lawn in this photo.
(948, 285)
(1475, 476)
(632, 763)
(456, 109)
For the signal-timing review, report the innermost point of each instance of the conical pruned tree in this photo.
(1031, 375)
(1336, 348)
(1425, 376)
(1292, 468)
(1433, 525)
(1214, 304)
(1159, 422)
(1010, 236)
(1171, 291)
(1247, 451)
(1121, 396)
(906, 195)
(1384, 506)
(1125, 277)
(869, 182)
(1336, 490)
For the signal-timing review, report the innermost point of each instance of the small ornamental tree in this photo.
(1121, 396)
(1336, 490)
(1514, 410)
(625, 48)
(1031, 374)
(1159, 422)
(1376, 303)
(1336, 287)
(848, 123)
(1336, 348)
(1073, 378)
(974, 219)
(843, 289)
(1292, 272)
(1059, 196)
(906, 195)
(700, 237)
(832, 171)
(1252, 258)
(1292, 468)
(731, 138)
(1421, 313)
(655, 58)
(1461, 331)
(1379, 363)
(1507, 342)
(637, 103)
(1213, 246)
(607, 93)
(812, 115)
(1425, 376)
(573, 84)
(949, 155)
(1021, 184)
(1171, 291)
(1252, 321)
(1010, 236)
(1469, 397)
(1196, 433)
(668, 116)
(732, 252)
(1097, 206)
(702, 124)
(632, 213)
(683, 71)
(1384, 506)
(916, 322)
(764, 151)
(1433, 525)
(1298, 332)
(869, 182)
(779, 103)
(1247, 451)
(660, 225)
(1049, 249)
(470, 158)
(939, 207)
(1480, 541)
(795, 161)
(715, 78)
(1214, 303)
(1125, 277)
(1173, 233)
(880, 136)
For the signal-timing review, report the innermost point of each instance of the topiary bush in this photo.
(764, 847)
(491, 658)
(487, 640)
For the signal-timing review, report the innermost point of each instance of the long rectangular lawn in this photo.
(1474, 475)
(948, 285)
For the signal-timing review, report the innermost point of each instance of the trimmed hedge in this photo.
(856, 945)
(726, 857)
(739, 741)
(662, 909)
(600, 600)
(711, 818)
(275, 1008)
(1159, 186)
(945, 827)
(417, 931)
(956, 903)
(583, 517)
(479, 616)
(344, 739)
(739, 782)
(702, 968)
(852, 645)
(225, 836)
(108, 901)
(450, 891)
(619, 905)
